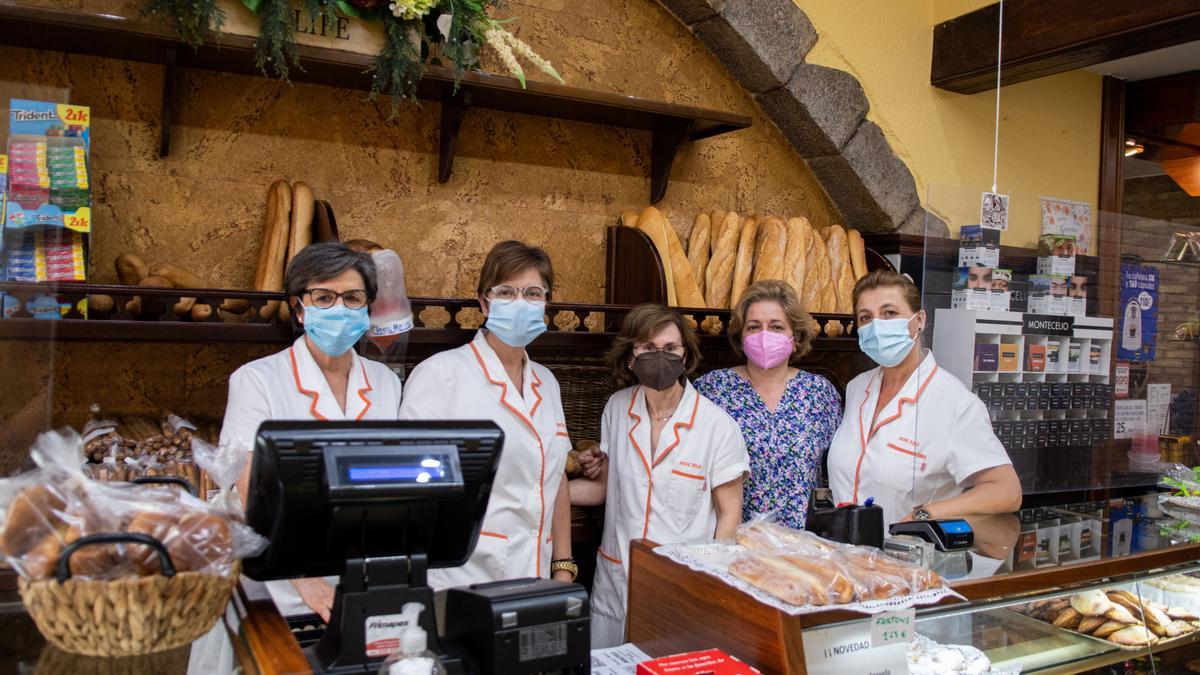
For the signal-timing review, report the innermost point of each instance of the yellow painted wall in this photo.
(1049, 129)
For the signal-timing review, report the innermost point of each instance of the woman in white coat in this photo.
(319, 377)
(913, 437)
(675, 460)
(526, 531)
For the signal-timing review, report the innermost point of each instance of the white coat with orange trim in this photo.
(289, 385)
(470, 383)
(664, 495)
(922, 448)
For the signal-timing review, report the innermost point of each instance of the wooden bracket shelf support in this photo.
(454, 110)
(667, 136)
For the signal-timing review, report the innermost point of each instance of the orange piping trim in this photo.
(688, 424)
(312, 410)
(537, 561)
(687, 475)
(608, 557)
(897, 448)
(497, 535)
(537, 382)
(642, 456)
(878, 426)
(562, 433)
(362, 393)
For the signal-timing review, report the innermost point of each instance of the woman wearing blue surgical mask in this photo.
(318, 377)
(526, 531)
(913, 437)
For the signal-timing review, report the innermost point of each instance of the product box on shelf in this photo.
(1010, 359)
(972, 288)
(987, 357)
(1048, 294)
(978, 247)
(1035, 358)
(1001, 295)
(1056, 254)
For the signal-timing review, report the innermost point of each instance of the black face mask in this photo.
(658, 370)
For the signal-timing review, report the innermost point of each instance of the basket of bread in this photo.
(1115, 615)
(119, 569)
(799, 572)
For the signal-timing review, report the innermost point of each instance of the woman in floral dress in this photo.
(788, 416)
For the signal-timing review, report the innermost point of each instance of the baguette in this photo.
(780, 579)
(699, 249)
(745, 259)
(325, 226)
(771, 250)
(687, 291)
(131, 269)
(275, 241)
(818, 277)
(656, 226)
(838, 589)
(841, 272)
(300, 231)
(858, 253)
(717, 218)
(718, 276)
(799, 238)
(629, 218)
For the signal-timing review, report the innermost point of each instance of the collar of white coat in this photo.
(909, 394)
(310, 381)
(684, 417)
(523, 405)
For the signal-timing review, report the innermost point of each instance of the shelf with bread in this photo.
(137, 38)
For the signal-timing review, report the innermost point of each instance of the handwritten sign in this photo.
(892, 627)
(851, 649)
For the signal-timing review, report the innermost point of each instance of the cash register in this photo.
(379, 503)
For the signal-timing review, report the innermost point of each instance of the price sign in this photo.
(850, 649)
(1129, 418)
(892, 627)
(80, 221)
(75, 115)
(1121, 386)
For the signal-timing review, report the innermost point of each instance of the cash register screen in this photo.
(427, 469)
(394, 465)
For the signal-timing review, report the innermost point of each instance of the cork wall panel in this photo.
(549, 182)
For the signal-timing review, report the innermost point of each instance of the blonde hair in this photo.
(773, 290)
(889, 279)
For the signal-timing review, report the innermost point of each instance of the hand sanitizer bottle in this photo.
(414, 656)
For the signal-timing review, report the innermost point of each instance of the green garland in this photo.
(414, 30)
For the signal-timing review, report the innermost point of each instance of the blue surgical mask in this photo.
(334, 330)
(517, 322)
(886, 341)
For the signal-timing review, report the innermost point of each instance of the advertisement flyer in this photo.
(1138, 313)
(1068, 217)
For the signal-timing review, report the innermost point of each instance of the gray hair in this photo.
(317, 262)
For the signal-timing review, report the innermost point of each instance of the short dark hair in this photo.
(318, 262)
(641, 324)
(510, 258)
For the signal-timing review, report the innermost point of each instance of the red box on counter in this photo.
(713, 661)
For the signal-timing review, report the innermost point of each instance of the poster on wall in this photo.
(1138, 313)
(1068, 217)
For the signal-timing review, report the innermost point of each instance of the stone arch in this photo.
(821, 111)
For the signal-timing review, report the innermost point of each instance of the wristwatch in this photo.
(921, 512)
(567, 564)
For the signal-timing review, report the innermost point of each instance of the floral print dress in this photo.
(785, 446)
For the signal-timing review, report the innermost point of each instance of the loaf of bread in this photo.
(687, 290)
(131, 269)
(629, 218)
(799, 238)
(300, 231)
(771, 251)
(33, 515)
(778, 578)
(717, 218)
(858, 253)
(819, 295)
(744, 265)
(718, 277)
(652, 222)
(842, 271)
(699, 248)
(271, 259)
(325, 225)
(183, 278)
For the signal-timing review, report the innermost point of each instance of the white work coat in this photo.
(924, 445)
(470, 383)
(664, 494)
(289, 385)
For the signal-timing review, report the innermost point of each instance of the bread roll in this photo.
(656, 226)
(799, 238)
(717, 218)
(718, 276)
(32, 515)
(275, 242)
(699, 248)
(842, 272)
(771, 250)
(858, 253)
(131, 269)
(744, 265)
(779, 579)
(182, 278)
(136, 306)
(199, 540)
(629, 218)
(818, 279)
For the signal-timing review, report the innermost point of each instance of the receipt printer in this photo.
(521, 626)
(850, 524)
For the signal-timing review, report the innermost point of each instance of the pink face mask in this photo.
(766, 349)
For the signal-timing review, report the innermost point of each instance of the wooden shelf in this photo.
(137, 39)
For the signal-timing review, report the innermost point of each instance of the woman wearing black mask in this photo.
(675, 461)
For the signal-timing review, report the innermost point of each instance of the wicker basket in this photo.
(129, 616)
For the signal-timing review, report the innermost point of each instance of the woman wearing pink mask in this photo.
(788, 416)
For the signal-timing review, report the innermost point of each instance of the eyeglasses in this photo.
(672, 349)
(324, 298)
(508, 293)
